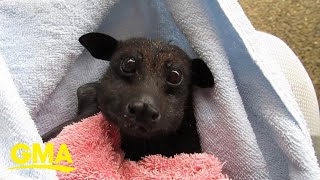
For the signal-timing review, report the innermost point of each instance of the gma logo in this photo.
(41, 159)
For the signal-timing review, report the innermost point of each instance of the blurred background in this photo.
(297, 22)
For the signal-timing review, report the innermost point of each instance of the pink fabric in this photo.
(94, 145)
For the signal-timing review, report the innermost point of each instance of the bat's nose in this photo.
(143, 111)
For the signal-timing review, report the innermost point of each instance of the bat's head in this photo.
(146, 87)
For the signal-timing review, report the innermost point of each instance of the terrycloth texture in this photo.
(250, 119)
(94, 145)
(16, 126)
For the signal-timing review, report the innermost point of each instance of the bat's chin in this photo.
(134, 129)
(139, 131)
(131, 127)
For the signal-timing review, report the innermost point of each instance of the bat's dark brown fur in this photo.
(146, 92)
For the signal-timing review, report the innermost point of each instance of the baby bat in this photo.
(147, 92)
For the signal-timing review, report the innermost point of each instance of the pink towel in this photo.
(94, 145)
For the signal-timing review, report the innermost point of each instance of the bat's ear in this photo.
(201, 74)
(100, 46)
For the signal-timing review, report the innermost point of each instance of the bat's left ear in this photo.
(100, 46)
(201, 74)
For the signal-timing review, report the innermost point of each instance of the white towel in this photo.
(250, 119)
(16, 126)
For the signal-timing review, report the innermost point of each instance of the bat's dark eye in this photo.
(174, 77)
(128, 66)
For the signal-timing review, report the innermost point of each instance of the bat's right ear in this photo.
(201, 74)
(100, 46)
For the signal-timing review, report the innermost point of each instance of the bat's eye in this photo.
(174, 77)
(128, 65)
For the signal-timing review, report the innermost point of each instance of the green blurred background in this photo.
(297, 22)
